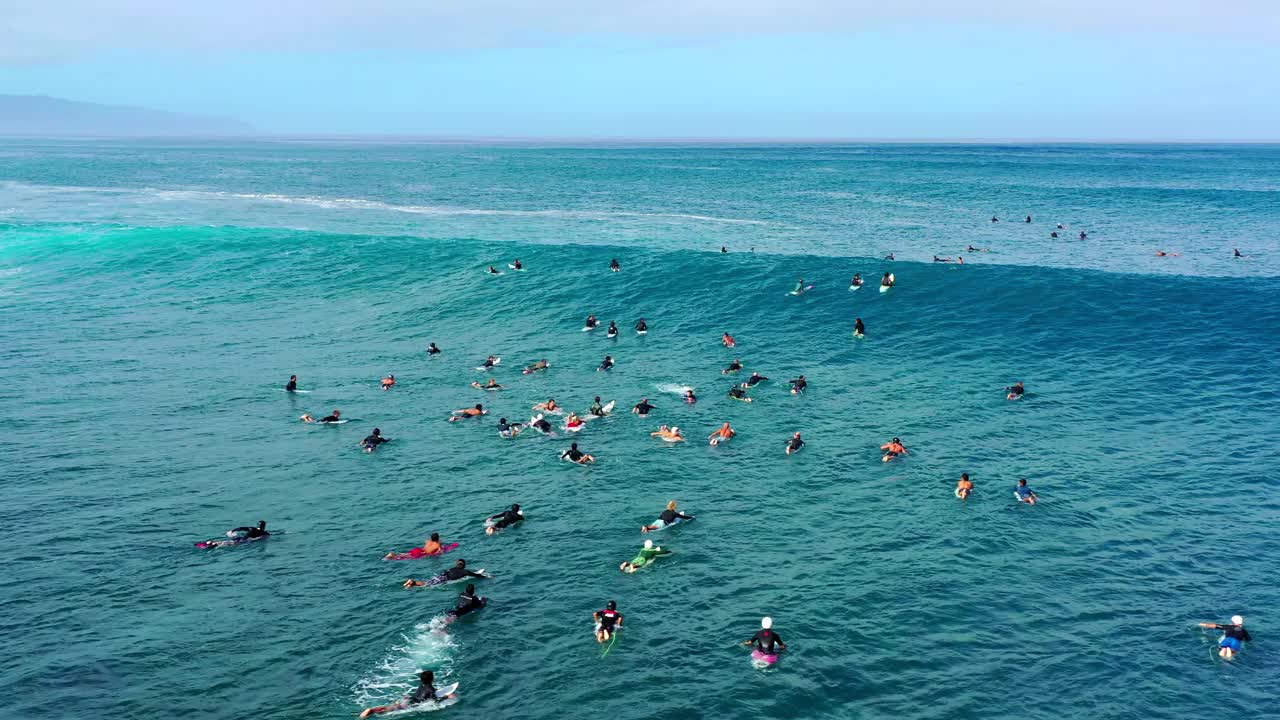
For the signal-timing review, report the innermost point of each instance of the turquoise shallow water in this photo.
(154, 299)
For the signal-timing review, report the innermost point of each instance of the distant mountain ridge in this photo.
(43, 116)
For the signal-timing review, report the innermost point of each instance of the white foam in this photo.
(427, 647)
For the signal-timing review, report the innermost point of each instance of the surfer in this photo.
(1024, 493)
(540, 424)
(856, 282)
(689, 397)
(964, 488)
(737, 392)
(508, 430)
(548, 406)
(734, 367)
(859, 330)
(1061, 226)
(799, 287)
(724, 433)
(596, 408)
(959, 259)
(591, 323)
(504, 519)
(491, 385)
(468, 602)
(766, 641)
(431, 547)
(798, 385)
(573, 454)
(647, 555)
(457, 572)
(573, 422)
(470, 412)
(1084, 235)
(426, 692)
(494, 271)
(893, 449)
(642, 326)
(671, 434)
(517, 265)
(372, 442)
(1016, 391)
(995, 219)
(755, 379)
(335, 416)
(975, 249)
(728, 341)
(292, 386)
(1233, 639)
(432, 349)
(1237, 253)
(490, 362)
(1161, 253)
(938, 259)
(606, 364)
(613, 330)
(614, 265)
(890, 257)
(794, 444)
(724, 249)
(250, 533)
(388, 382)
(1028, 218)
(540, 365)
(643, 407)
(608, 621)
(667, 518)
(887, 281)
(1053, 234)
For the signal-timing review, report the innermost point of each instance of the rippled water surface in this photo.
(155, 298)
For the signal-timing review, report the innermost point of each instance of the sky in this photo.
(858, 69)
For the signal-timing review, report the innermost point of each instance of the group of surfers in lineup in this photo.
(765, 643)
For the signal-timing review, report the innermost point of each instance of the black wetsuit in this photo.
(737, 392)
(609, 620)
(466, 604)
(765, 640)
(329, 418)
(292, 386)
(504, 427)
(488, 362)
(669, 516)
(542, 425)
(457, 573)
(607, 364)
(799, 385)
(735, 367)
(859, 328)
(794, 444)
(613, 329)
(373, 441)
(644, 408)
(751, 381)
(433, 350)
(1017, 390)
(506, 518)
(573, 454)
(642, 326)
(252, 533)
(1236, 632)
(424, 693)
(592, 322)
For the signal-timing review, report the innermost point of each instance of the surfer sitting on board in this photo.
(388, 382)
(766, 641)
(372, 442)
(794, 444)
(859, 330)
(798, 385)
(689, 397)
(799, 287)
(643, 407)
(964, 488)
(608, 621)
(471, 412)
(293, 380)
(856, 281)
(591, 323)
(613, 329)
(667, 518)
(1016, 391)
(432, 349)
(430, 547)
(517, 265)
(614, 266)
(888, 280)
(596, 408)
(642, 326)
(426, 692)
(490, 362)
(607, 363)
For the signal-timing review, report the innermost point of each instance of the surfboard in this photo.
(331, 422)
(589, 328)
(854, 287)
(642, 332)
(294, 391)
(858, 335)
(804, 290)
(885, 288)
(762, 660)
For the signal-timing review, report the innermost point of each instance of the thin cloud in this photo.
(53, 30)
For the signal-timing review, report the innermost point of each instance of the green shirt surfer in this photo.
(647, 555)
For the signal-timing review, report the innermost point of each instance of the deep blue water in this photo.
(155, 298)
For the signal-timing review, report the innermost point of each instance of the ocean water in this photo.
(154, 299)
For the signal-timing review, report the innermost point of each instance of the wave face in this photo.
(144, 361)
